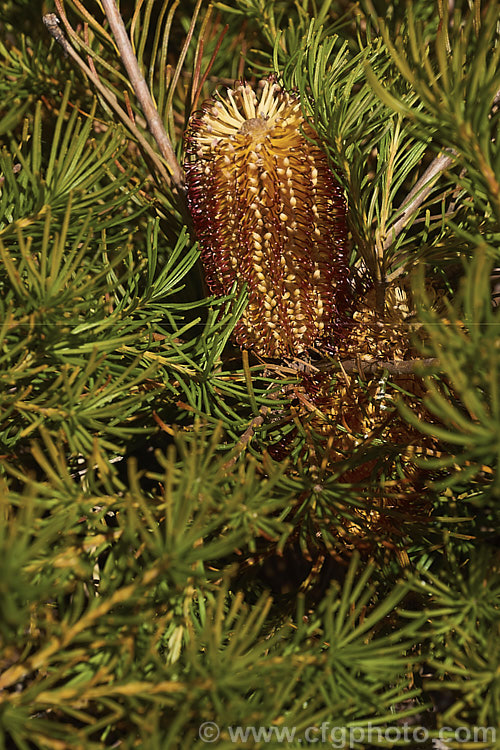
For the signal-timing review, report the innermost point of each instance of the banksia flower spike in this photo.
(269, 213)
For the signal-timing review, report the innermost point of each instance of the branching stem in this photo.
(375, 366)
(51, 23)
(142, 92)
(418, 194)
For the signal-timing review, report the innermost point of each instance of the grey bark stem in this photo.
(142, 92)
(51, 22)
(419, 193)
(375, 366)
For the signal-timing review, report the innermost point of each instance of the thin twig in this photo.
(80, 44)
(246, 437)
(55, 31)
(52, 24)
(375, 366)
(143, 94)
(418, 194)
(73, 38)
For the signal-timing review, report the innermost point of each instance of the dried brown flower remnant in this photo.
(269, 213)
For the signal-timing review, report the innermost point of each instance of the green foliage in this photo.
(457, 87)
(462, 636)
(466, 402)
(69, 255)
(140, 571)
(172, 544)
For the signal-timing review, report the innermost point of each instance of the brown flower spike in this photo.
(269, 213)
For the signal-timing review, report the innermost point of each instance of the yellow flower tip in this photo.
(269, 214)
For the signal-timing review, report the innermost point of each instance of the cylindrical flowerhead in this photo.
(269, 213)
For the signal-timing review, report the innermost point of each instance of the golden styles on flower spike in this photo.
(269, 213)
